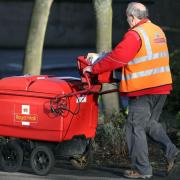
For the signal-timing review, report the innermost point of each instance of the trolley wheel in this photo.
(42, 160)
(11, 156)
(83, 161)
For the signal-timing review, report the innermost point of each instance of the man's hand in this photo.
(87, 69)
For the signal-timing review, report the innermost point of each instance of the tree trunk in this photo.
(35, 41)
(103, 9)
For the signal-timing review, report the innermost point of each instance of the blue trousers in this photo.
(143, 120)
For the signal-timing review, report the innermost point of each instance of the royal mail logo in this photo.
(25, 109)
(31, 118)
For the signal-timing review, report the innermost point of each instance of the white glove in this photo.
(87, 69)
(92, 57)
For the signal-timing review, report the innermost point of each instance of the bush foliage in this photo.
(173, 102)
(110, 138)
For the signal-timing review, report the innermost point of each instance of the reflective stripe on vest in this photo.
(146, 40)
(150, 57)
(146, 73)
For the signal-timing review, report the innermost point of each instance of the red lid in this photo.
(44, 84)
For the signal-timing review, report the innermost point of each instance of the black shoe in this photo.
(172, 163)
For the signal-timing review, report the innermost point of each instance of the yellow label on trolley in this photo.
(20, 117)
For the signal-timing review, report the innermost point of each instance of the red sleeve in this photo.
(124, 52)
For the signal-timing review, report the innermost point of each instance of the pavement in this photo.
(64, 171)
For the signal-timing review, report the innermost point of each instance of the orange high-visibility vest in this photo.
(150, 67)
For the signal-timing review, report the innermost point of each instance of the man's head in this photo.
(136, 12)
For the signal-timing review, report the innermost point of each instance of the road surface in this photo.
(64, 171)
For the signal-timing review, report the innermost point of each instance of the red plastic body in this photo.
(27, 108)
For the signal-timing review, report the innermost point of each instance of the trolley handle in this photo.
(86, 75)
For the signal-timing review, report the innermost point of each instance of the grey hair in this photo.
(133, 10)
